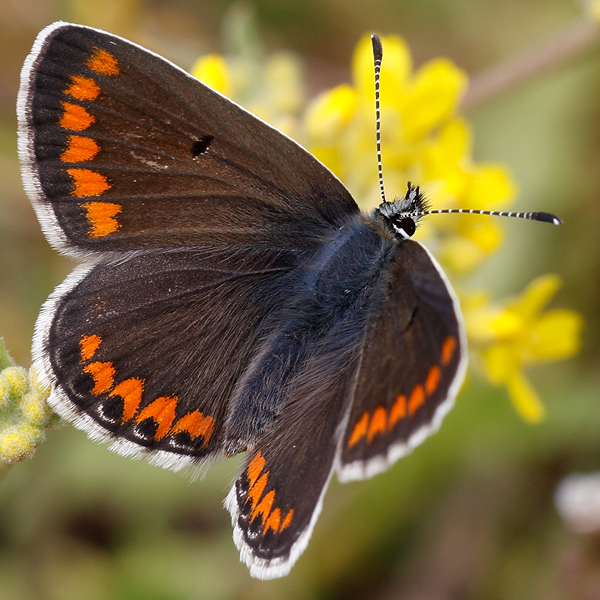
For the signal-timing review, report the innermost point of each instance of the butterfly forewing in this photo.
(123, 150)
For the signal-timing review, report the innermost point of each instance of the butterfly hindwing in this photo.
(123, 150)
(146, 352)
(277, 498)
(413, 363)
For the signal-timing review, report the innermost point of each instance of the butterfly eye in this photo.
(405, 227)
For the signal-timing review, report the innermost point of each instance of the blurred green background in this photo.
(470, 514)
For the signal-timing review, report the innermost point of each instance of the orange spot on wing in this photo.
(75, 117)
(273, 521)
(377, 424)
(79, 148)
(359, 431)
(398, 411)
(195, 423)
(89, 344)
(417, 398)
(448, 348)
(103, 62)
(83, 88)
(162, 410)
(271, 518)
(433, 379)
(256, 490)
(264, 508)
(88, 183)
(101, 217)
(255, 468)
(103, 375)
(131, 392)
(287, 520)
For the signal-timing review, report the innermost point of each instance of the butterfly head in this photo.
(402, 216)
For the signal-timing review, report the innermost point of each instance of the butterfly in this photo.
(231, 296)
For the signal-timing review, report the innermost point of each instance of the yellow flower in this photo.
(212, 69)
(13, 385)
(510, 336)
(18, 442)
(24, 412)
(422, 141)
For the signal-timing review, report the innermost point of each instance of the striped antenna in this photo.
(414, 205)
(377, 58)
(532, 216)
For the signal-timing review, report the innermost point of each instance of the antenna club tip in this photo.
(377, 46)
(548, 218)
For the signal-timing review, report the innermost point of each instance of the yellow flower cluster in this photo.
(24, 413)
(423, 141)
(517, 333)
